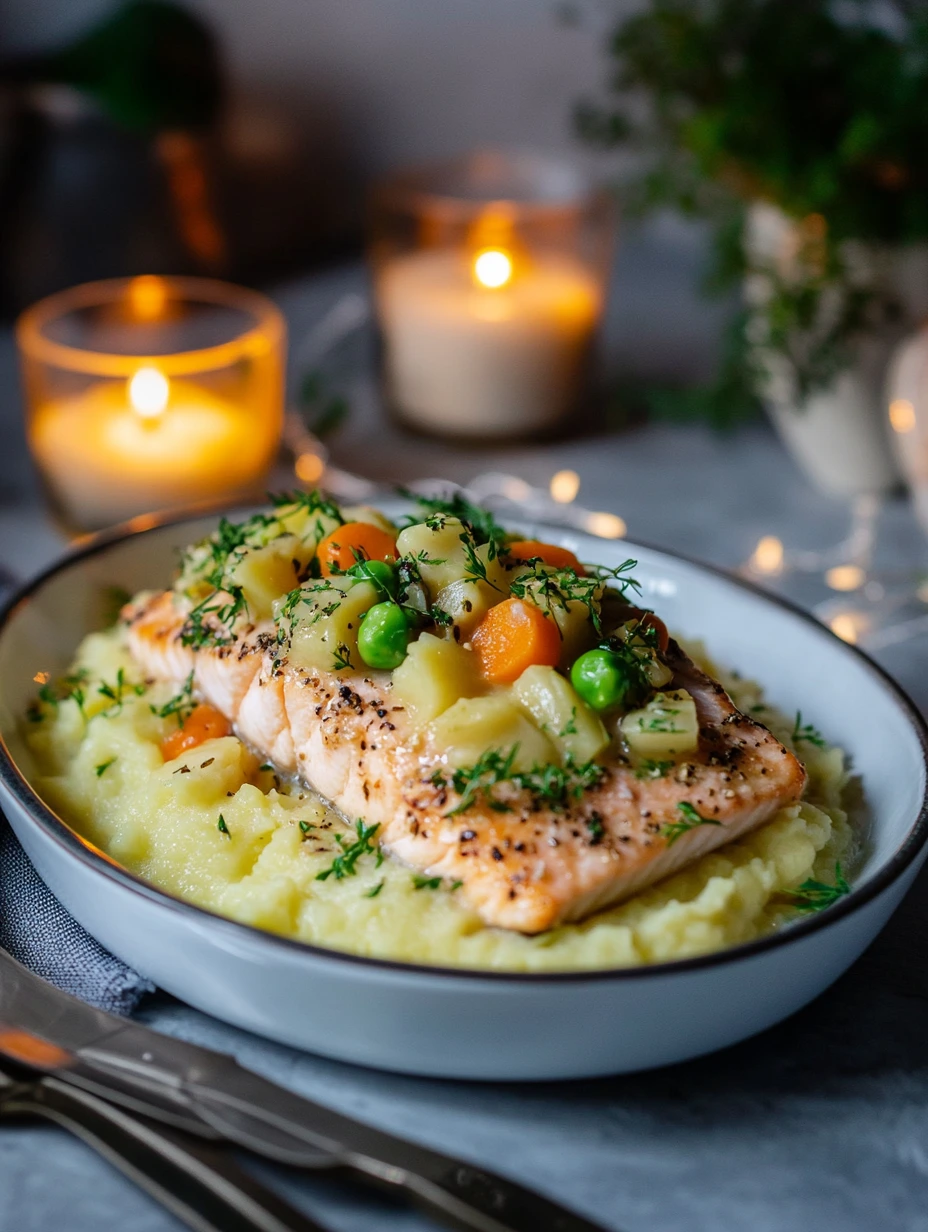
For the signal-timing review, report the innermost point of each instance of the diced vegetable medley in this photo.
(492, 641)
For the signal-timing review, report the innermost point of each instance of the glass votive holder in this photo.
(490, 274)
(149, 394)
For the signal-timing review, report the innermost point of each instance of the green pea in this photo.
(601, 679)
(384, 636)
(378, 572)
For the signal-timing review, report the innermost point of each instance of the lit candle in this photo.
(149, 443)
(149, 394)
(486, 344)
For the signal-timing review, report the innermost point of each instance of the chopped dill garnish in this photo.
(570, 727)
(267, 766)
(805, 731)
(103, 767)
(482, 525)
(594, 823)
(815, 895)
(425, 883)
(181, 704)
(690, 820)
(550, 786)
(222, 827)
(476, 570)
(440, 617)
(345, 863)
(455, 885)
(650, 769)
(117, 693)
(374, 890)
(341, 660)
(306, 826)
(51, 695)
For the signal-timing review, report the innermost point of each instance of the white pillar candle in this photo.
(121, 448)
(493, 360)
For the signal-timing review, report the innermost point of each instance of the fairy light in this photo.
(902, 415)
(768, 556)
(493, 268)
(845, 577)
(606, 525)
(845, 626)
(564, 487)
(309, 467)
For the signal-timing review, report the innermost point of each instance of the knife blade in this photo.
(209, 1093)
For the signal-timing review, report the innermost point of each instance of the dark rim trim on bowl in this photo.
(56, 829)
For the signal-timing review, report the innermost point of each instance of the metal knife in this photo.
(208, 1093)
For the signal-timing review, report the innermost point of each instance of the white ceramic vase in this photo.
(840, 436)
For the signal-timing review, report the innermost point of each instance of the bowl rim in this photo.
(39, 813)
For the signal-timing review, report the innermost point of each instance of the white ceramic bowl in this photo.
(462, 1024)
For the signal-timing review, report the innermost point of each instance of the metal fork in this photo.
(199, 1183)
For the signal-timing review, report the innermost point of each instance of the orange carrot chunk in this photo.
(353, 542)
(512, 636)
(550, 553)
(203, 723)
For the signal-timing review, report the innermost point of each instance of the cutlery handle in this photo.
(200, 1184)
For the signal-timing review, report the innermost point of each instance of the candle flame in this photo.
(148, 393)
(493, 268)
(147, 296)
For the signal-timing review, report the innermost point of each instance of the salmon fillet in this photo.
(527, 869)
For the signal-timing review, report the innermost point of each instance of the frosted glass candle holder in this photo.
(151, 394)
(489, 276)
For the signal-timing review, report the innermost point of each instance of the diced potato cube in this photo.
(438, 550)
(433, 676)
(555, 707)
(475, 724)
(466, 602)
(265, 574)
(325, 627)
(666, 726)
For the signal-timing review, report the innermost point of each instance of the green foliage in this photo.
(817, 108)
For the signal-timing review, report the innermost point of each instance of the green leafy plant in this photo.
(816, 108)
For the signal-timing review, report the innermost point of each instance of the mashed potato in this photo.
(99, 765)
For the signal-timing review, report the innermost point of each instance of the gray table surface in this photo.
(820, 1123)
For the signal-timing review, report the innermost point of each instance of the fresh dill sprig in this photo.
(181, 704)
(103, 767)
(117, 693)
(550, 786)
(51, 695)
(482, 525)
(690, 819)
(476, 569)
(345, 863)
(222, 827)
(805, 731)
(374, 890)
(341, 660)
(815, 895)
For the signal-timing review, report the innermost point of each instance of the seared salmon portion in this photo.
(526, 860)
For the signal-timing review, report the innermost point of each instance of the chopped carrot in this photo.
(649, 620)
(512, 636)
(550, 553)
(203, 723)
(353, 542)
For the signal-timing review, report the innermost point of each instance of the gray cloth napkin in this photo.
(36, 930)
